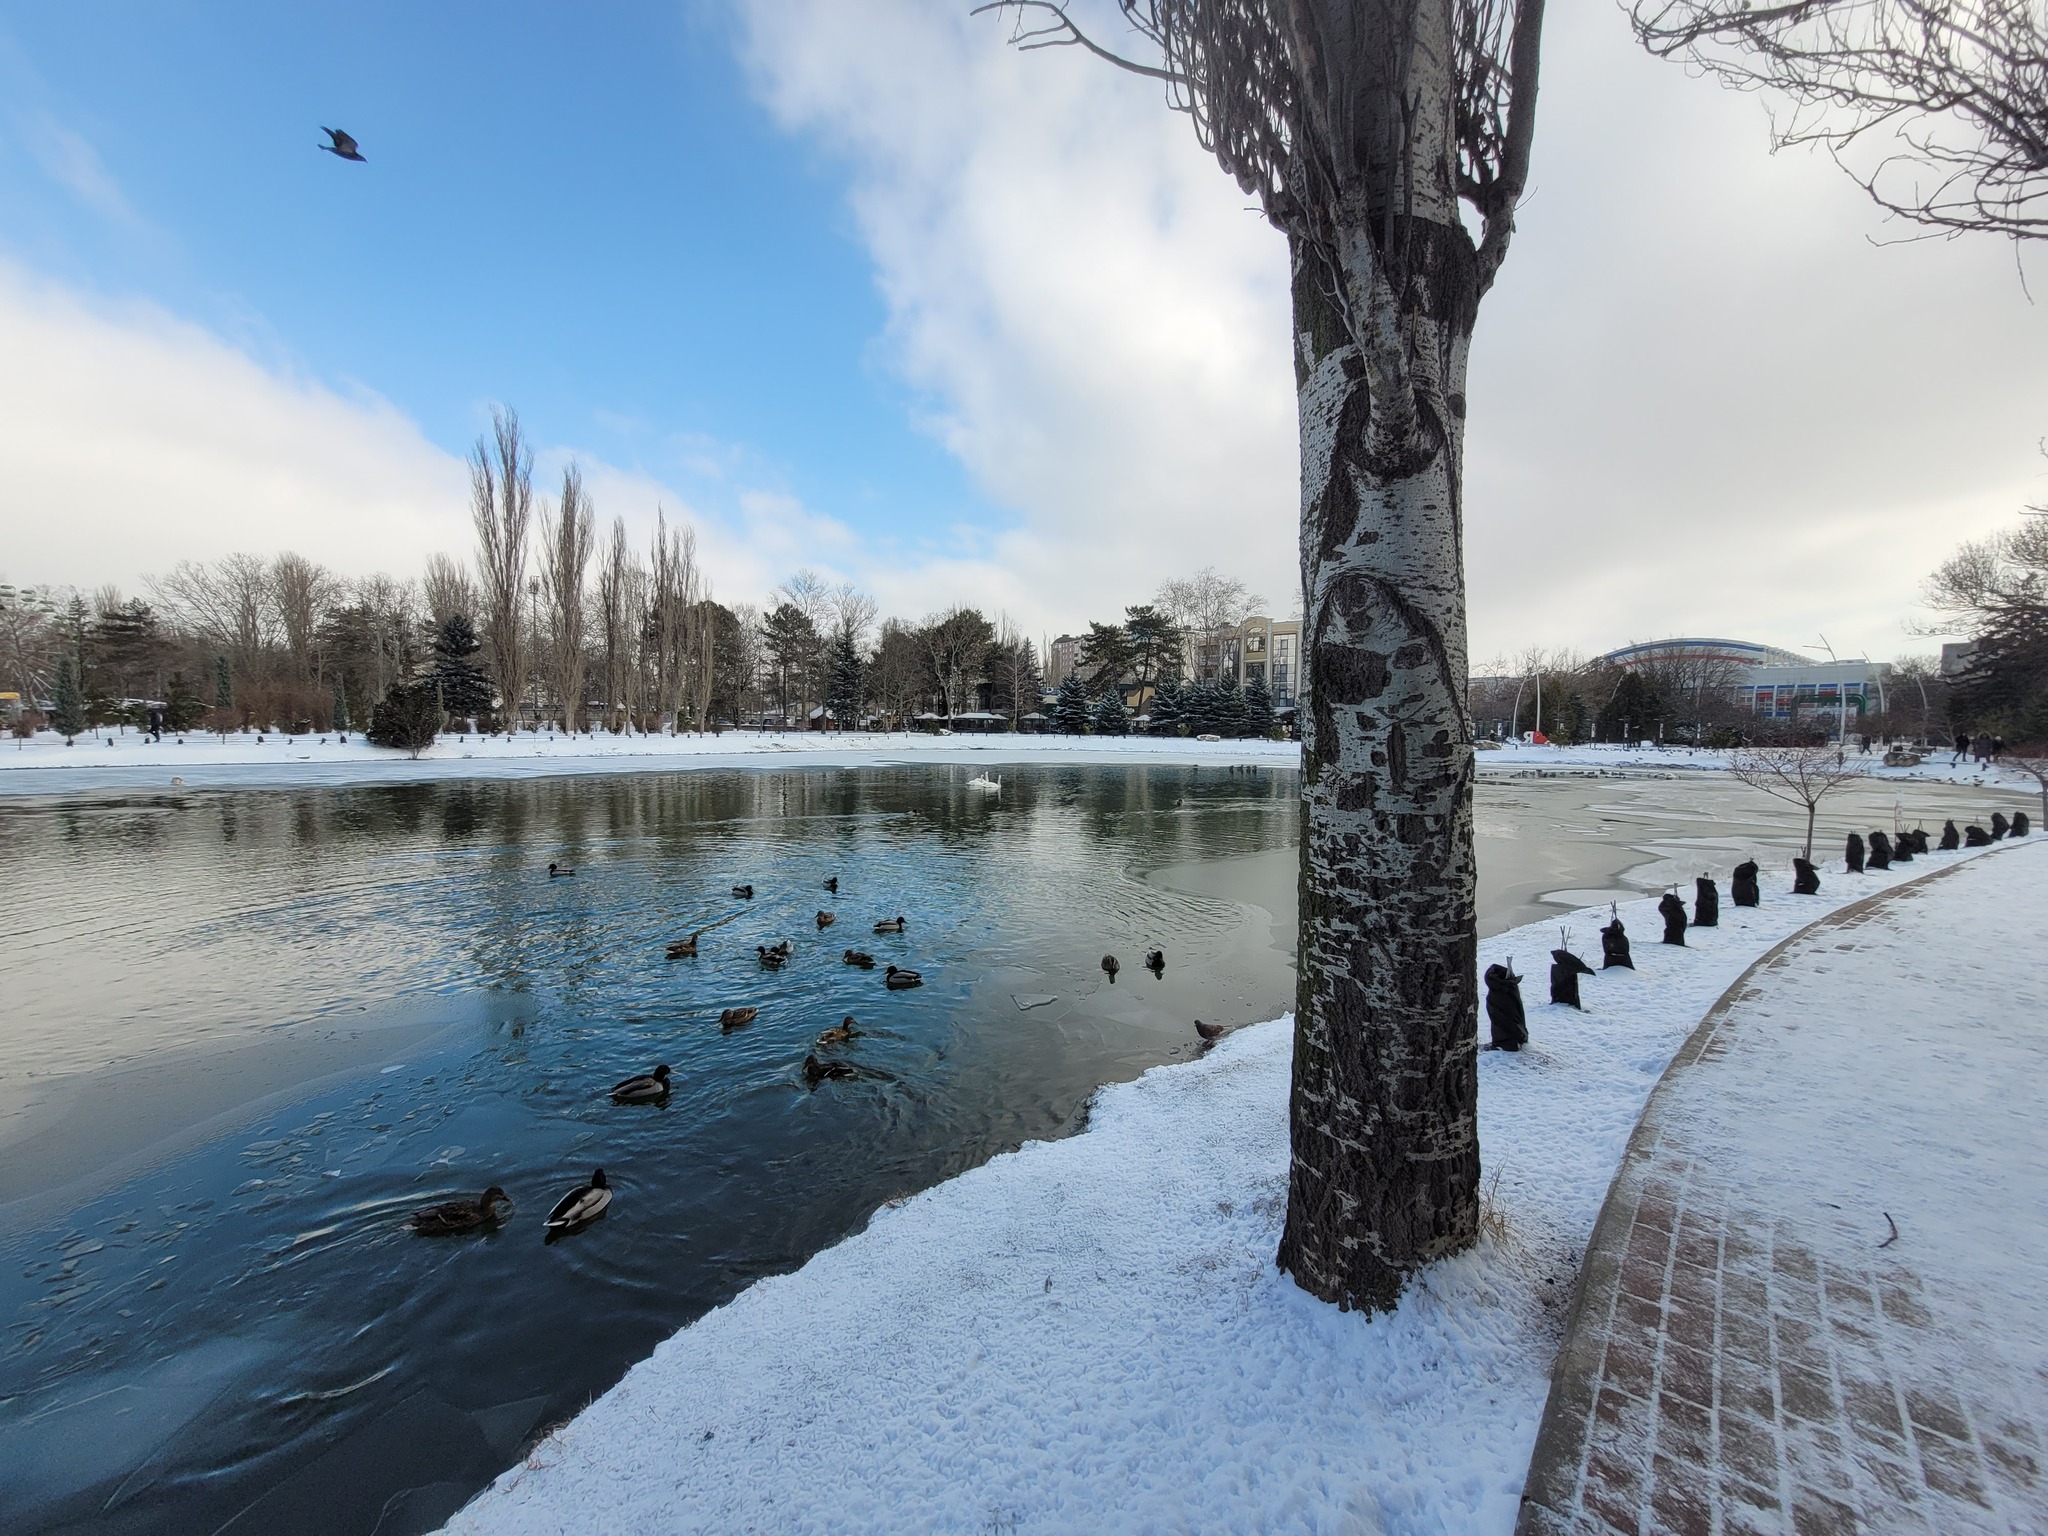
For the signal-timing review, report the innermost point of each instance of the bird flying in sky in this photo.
(344, 145)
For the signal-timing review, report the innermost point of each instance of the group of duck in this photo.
(1509, 1023)
(585, 1203)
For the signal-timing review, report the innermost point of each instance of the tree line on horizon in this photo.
(549, 626)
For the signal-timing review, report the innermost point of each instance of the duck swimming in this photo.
(743, 892)
(737, 1018)
(889, 925)
(773, 958)
(1155, 962)
(840, 1033)
(586, 1202)
(644, 1089)
(460, 1215)
(827, 919)
(559, 871)
(684, 949)
(832, 885)
(855, 957)
(899, 979)
(816, 1071)
(1110, 967)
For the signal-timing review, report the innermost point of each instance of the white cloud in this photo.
(132, 440)
(1098, 324)
(1702, 400)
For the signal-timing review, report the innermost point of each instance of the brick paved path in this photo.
(1752, 1350)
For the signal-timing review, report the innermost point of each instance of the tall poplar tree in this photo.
(1362, 126)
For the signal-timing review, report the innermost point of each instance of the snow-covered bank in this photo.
(1089, 1334)
(1936, 768)
(132, 762)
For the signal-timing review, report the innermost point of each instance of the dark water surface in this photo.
(244, 1033)
(244, 1335)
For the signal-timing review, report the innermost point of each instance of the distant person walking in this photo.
(1962, 749)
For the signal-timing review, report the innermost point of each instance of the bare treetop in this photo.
(1954, 94)
(1803, 776)
(1310, 105)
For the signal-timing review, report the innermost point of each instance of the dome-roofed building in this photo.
(1741, 653)
(1764, 678)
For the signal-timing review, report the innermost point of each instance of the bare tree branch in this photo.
(1951, 94)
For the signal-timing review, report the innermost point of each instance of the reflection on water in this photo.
(247, 1335)
(388, 1003)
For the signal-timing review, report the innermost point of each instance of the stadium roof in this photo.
(1745, 653)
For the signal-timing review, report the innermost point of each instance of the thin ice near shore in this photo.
(1089, 1334)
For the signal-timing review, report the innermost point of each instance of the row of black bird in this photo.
(1507, 1020)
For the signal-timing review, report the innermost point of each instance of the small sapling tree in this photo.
(1804, 776)
(2032, 758)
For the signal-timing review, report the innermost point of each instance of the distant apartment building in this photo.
(1261, 647)
(1062, 655)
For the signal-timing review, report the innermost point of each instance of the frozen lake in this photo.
(246, 1032)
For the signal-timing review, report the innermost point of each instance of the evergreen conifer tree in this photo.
(67, 711)
(182, 709)
(408, 716)
(1229, 707)
(223, 684)
(1112, 716)
(1167, 708)
(1070, 713)
(340, 704)
(1258, 709)
(843, 689)
(464, 688)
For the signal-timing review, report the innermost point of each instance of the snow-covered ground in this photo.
(1514, 757)
(114, 760)
(1089, 1334)
(125, 760)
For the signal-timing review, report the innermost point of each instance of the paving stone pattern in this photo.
(1730, 1372)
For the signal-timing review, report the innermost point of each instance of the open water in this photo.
(244, 1033)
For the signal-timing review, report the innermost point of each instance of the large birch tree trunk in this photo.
(1385, 1173)
(1364, 127)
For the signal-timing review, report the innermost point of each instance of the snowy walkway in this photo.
(1089, 1334)
(1755, 1351)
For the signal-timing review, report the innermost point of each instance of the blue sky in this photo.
(850, 284)
(581, 210)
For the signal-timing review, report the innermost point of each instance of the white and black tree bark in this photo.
(1362, 126)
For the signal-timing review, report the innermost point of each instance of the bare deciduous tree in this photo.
(2031, 758)
(1362, 126)
(1938, 108)
(448, 589)
(226, 603)
(1805, 776)
(565, 561)
(300, 591)
(616, 612)
(501, 502)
